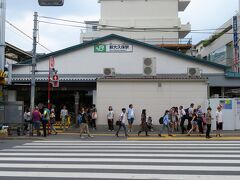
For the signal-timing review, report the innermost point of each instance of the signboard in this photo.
(235, 44)
(226, 104)
(113, 48)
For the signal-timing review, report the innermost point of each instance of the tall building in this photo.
(218, 47)
(151, 21)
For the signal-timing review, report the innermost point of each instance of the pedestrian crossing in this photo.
(153, 160)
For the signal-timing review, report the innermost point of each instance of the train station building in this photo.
(118, 71)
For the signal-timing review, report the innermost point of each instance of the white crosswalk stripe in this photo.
(186, 160)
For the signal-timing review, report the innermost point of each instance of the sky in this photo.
(201, 14)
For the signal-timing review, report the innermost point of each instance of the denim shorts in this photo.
(36, 125)
(130, 121)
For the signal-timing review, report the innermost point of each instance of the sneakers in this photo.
(90, 136)
(159, 135)
(170, 135)
(82, 137)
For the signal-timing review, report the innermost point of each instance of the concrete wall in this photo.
(85, 61)
(147, 95)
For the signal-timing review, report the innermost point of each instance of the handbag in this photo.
(118, 123)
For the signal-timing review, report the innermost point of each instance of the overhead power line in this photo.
(15, 27)
(128, 29)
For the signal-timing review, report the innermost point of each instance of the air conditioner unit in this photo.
(194, 72)
(109, 72)
(149, 66)
(51, 2)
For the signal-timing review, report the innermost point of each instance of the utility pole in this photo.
(2, 53)
(33, 81)
(2, 33)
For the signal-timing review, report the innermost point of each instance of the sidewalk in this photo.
(106, 135)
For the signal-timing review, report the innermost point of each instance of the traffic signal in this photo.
(8, 74)
(2, 77)
(51, 2)
(55, 80)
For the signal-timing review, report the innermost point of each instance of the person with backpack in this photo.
(86, 117)
(45, 120)
(166, 123)
(161, 126)
(36, 116)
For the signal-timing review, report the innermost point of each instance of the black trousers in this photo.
(200, 124)
(189, 126)
(44, 125)
(208, 130)
(110, 124)
(182, 125)
(93, 122)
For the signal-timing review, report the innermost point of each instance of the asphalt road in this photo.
(83, 159)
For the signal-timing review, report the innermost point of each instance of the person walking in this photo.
(182, 117)
(166, 124)
(189, 114)
(130, 117)
(45, 120)
(122, 121)
(209, 122)
(63, 116)
(219, 121)
(84, 124)
(194, 123)
(200, 119)
(110, 118)
(144, 126)
(53, 121)
(94, 118)
(27, 120)
(36, 115)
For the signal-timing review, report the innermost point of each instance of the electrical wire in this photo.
(133, 29)
(15, 27)
(130, 29)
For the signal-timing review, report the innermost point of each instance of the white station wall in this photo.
(151, 96)
(85, 61)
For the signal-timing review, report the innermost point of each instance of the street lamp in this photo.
(50, 2)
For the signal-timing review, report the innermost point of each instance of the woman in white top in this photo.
(123, 119)
(219, 121)
(110, 117)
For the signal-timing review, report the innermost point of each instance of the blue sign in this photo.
(235, 32)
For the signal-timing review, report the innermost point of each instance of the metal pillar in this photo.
(76, 105)
(2, 33)
(33, 82)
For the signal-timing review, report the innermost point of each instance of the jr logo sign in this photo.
(100, 48)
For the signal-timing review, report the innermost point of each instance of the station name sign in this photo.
(113, 48)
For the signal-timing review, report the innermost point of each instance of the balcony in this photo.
(182, 4)
(184, 30)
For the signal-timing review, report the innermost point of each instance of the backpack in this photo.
(79, 119)
(45, 115)
(161, 120)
